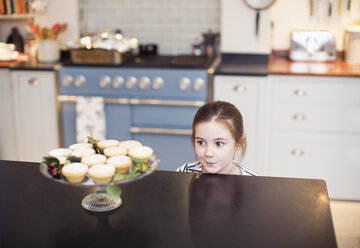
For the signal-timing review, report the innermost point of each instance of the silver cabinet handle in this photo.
(160, 131)
(157, 102)
(299, 117)
(300, 92)
(34, 81)
(240, 89)
(297, 152)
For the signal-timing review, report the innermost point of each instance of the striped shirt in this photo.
(196, 167)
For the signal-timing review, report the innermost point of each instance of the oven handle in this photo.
(160, 131)
(124, 101)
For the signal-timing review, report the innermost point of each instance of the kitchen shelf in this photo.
(16, 16)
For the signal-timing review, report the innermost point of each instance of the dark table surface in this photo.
(165, 209)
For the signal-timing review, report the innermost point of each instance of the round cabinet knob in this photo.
(131, 82)
(104, 81)
(299, 117)
(184, 83)
(67, 80)
(300, 92)
(118, 82)
(198, 84)
(297, 152)
(144, 83)
(79, 81)
(240, 89)
(157, 83)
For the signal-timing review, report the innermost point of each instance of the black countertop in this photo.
(165, 209)
(160, 61)
(243, 64)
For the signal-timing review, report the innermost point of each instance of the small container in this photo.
(48, 51)
(352, 44)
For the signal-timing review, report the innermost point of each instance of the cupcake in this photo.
(128, 144)
(115, 151)
(75, 172)
(107, 143)
(141, 152)
(121, 163)
(102, 173)
(80, 145)
(82, 152)
(60, 152)
(93, 159)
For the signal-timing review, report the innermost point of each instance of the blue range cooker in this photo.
(149, 99)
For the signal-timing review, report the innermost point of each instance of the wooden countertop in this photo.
(279, 64)
(7, 64)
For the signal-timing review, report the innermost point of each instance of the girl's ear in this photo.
(242, 141)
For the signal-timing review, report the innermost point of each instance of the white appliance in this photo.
(352, 44)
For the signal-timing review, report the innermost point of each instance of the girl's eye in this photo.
(200, 142)
(219, 144)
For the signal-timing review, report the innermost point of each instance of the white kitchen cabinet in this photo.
(245, 93)
(36, 119)
(315, 131)
(7, 125)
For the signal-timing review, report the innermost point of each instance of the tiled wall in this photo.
(172, 24)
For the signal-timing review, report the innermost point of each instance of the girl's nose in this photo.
(208, 151)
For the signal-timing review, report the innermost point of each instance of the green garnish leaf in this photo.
(48, 160)
(114, 191)
(72, 159)
(137, 160)
(97, 149)
(134, 175)
(119, 177)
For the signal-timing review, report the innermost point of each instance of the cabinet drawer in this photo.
(323, 90)
(316, 117)
(334, 158)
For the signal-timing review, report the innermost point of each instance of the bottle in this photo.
(16, 39)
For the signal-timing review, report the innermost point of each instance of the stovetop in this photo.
(158, 61)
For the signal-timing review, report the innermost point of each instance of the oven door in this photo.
(167, 129)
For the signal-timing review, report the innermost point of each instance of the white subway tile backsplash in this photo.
(172, 24)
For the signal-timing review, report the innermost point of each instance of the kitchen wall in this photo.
(288, 15)
(173, 24)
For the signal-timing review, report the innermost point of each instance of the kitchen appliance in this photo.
(104, 48)
(312, 46)
(152, 105)
(352, 44)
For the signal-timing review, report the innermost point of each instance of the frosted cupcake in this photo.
(75, 172)
(115, 151)
(141, 152)
(93, 159)
(107, 143)
(80, 145)
(128, 144)
(60, 152)
(82, 152)
(121, 163)
(102, 173)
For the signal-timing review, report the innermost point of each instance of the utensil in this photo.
(311, 7)
(258, 5)
(348, 5)
(340, 6)
(330, 8)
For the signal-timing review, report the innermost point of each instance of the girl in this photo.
(217, 134)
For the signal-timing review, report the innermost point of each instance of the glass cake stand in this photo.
(100, 200)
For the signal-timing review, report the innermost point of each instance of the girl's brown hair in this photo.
(226, 113)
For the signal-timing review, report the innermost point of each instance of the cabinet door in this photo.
(243, 93)
(35, 113)
(331, 157)
(7, 126)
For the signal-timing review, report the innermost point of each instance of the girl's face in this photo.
(215, 148)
